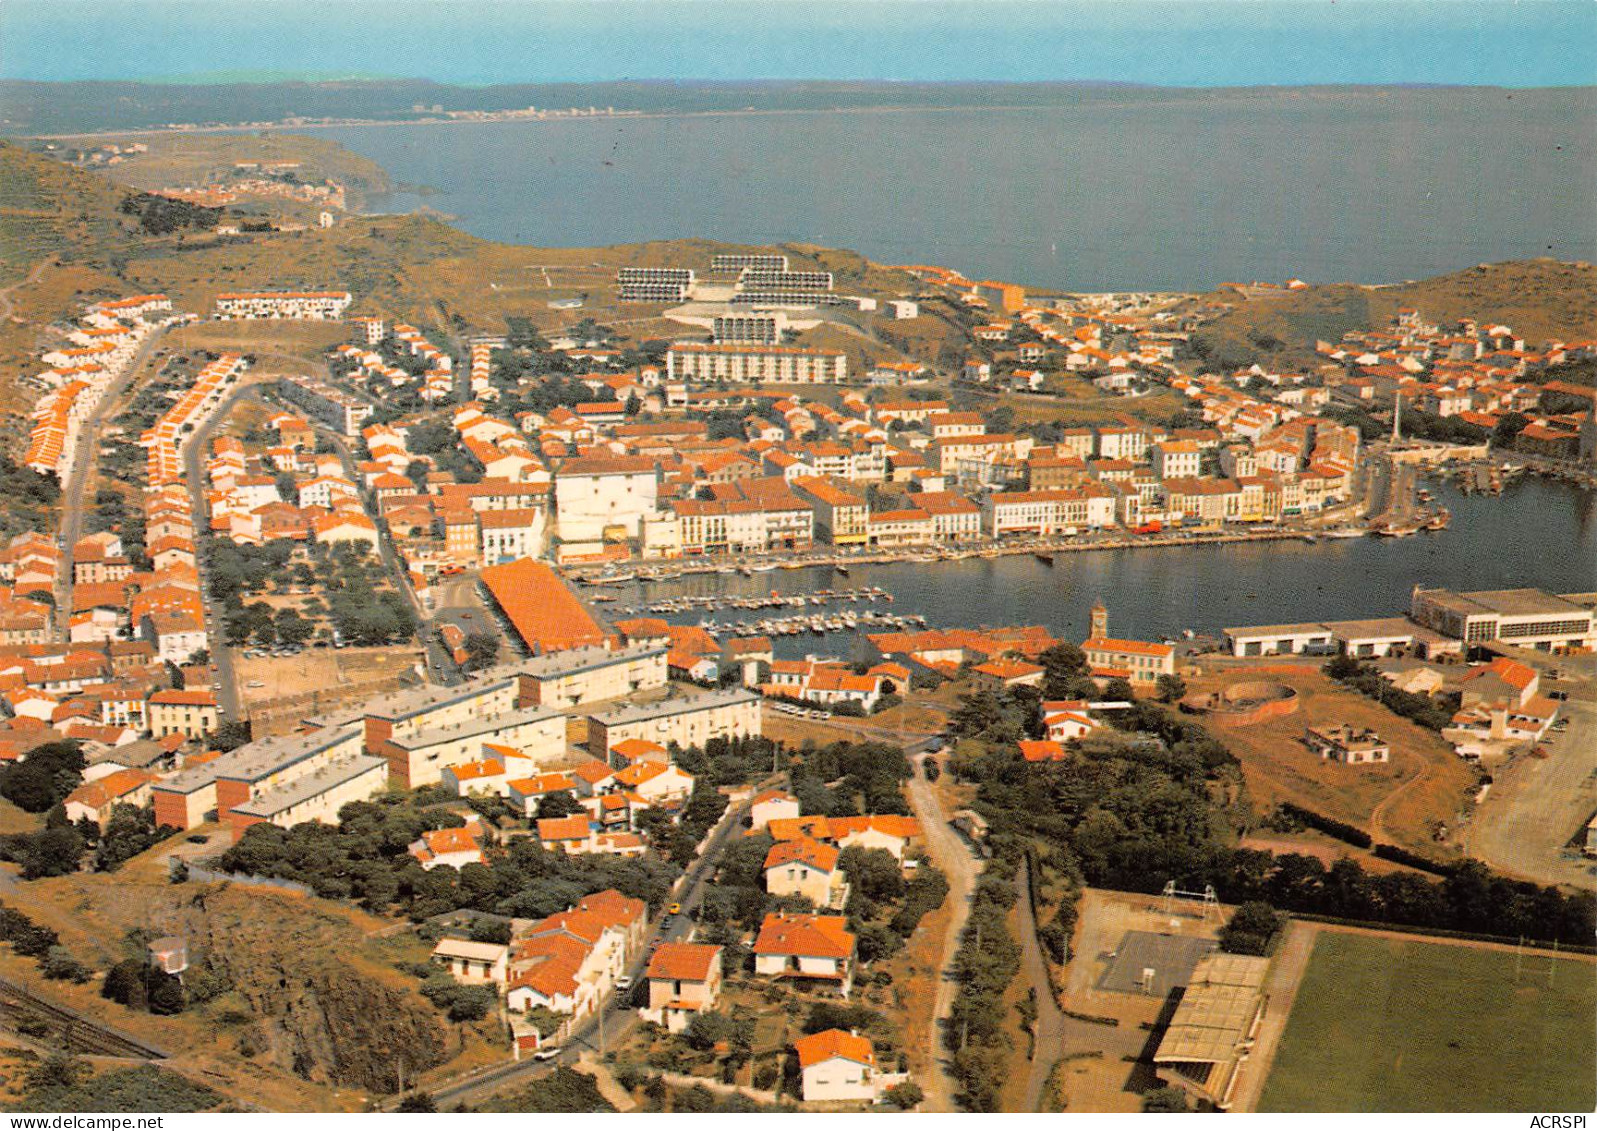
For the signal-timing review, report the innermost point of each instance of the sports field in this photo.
(1393, 1025)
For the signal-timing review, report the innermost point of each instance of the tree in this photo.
(1171, 688)
(166, 994)
(291, 627)
(1064, 669)
(873, 873)
(482, 650)
(53, 852)
(906, 1096)
(418, 1102)
(472, 1003)
(1166, 1100)
(287, 487)
(124, 984)
(1252, 928)
(230, 735)
(707, 1029)
(59, 964)
(557, 804)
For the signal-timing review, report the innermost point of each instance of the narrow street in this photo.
(76, 499)
(227, 695)
(615, 1019)
(950, 853)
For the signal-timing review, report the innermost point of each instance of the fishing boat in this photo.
(1440, 520)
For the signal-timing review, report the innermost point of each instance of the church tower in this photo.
(1100, 621)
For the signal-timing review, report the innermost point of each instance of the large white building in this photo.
(1057, 511)
(1527, 618)
(305, 306)
(654, 284)
(739, 364)
(599, 497)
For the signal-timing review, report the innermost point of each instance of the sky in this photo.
(477, 42)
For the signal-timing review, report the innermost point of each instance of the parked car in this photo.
(549, 1053)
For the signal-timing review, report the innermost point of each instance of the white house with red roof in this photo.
(818, 949)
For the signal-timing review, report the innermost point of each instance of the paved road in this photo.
(227, 694)
(1536, 804)
(75, 500)
(616, 1016)
(954, 856)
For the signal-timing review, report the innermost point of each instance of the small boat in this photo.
(1345, 532)
(1045, 559)
(841, 568)
(1439, 520)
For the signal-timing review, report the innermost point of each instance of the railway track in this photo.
(19, 1006)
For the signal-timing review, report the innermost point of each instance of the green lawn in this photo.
(1384, 1025)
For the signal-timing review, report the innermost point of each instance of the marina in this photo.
(1155, 589)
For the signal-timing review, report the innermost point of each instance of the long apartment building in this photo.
(331, 406)
(768, 279)
(301, 306)
(591, 675)
(751, 261)
(691, 720)
(281, 779)
(1048, 512)
(654, 284)
(771, 365)
(166, 439)
(763, 327)
(423, 730)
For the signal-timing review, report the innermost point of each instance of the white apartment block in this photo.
(685, 720)
(1047, 512)
(654, 284)
(597, 496)
(782, 365)
(329, 405)
(303, 306)
(763, 327)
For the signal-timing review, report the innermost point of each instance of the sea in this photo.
(1537, 534)
(1177, 194)
(1182, 194)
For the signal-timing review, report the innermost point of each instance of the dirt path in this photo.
(1281, 990)
(959, 864)
(7, 307)
(608, 1086)
(1049, 1037)
(1378, 825)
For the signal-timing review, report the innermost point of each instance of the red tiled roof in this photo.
(817, 1048)
(543, 611)
(683, 962)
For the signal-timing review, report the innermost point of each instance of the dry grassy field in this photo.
(315, 681)
(1402, 800)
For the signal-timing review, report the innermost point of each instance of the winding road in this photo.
(950, 852)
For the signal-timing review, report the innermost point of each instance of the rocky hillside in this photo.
(1543, 299)
(314, 1004)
